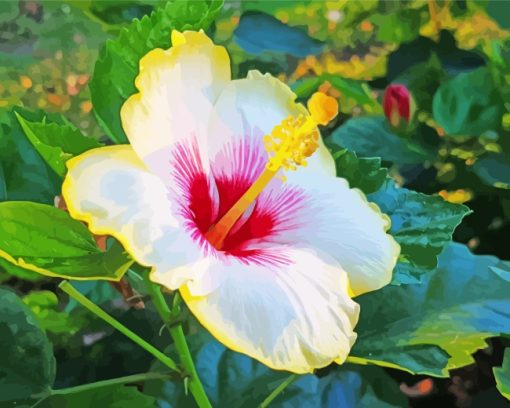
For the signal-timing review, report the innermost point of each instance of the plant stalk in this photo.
(167, 315)
(92, 307)
(284, 384)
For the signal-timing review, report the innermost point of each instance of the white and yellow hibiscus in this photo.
(269, 266)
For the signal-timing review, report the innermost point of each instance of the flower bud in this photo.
(397, 104)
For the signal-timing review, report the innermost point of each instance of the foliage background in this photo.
(454, 58)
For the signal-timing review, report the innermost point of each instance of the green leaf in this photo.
(27, 365)
(44, 304)
(9, 10)
(258, 32)
(360, 387)
(117, 66)
(371, 136)
(423, 225)
(359, 91)
(364, 173)
(117, 396)
(12, 270)
(400, 26)
(456, 308)
(469, 104)
(502, 375)
(23, 173)
(494, 170)
(56, 143)
(48, 241)
(233, 380)
(422, 80)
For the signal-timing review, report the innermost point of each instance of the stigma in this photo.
(288, 145)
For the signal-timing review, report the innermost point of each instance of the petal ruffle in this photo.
(340, 222)
(111, 189)
(245, 111)
(291, 313)
(177, 89)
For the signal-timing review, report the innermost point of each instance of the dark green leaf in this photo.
(117, 66)
(117, 396)
(423, 225)
(27, 365)
(120, 11)
(456, 308)
(422, 80)
(23, 173)
(500, 11)
(469, 104)
(360, 387)
(372, 136)
(494, 170)
(48, 241)
(233, 380)
(259, 32)
(56, 143)
(502, 375)
(364, 173)
(420, 50)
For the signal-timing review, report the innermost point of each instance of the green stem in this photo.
(284, 384)
(71, 291)
(167, 315)
(105, 383)
(114, 381)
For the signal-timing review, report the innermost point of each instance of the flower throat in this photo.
(288, 146)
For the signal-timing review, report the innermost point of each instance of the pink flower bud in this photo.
(397, 104)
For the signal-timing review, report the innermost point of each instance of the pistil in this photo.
(288, 145)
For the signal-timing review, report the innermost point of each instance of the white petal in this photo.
(291, 315)
(177, 89)
(111, 189)
(341, 222)
(245, 111)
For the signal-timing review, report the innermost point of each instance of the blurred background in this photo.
(451, 57)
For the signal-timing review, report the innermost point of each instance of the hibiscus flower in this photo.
(227, 192)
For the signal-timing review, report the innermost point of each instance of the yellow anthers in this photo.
(291, 142)
(295, 139)
(323, 108)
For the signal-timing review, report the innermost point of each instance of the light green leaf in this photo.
(371, 136)
(469, 104)
(46, 240)
(400, 26)
(456, 308)
(56, 143)
(117, 66)
(423, 225)
(27, 365)
(44, 304)
(502, 375)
